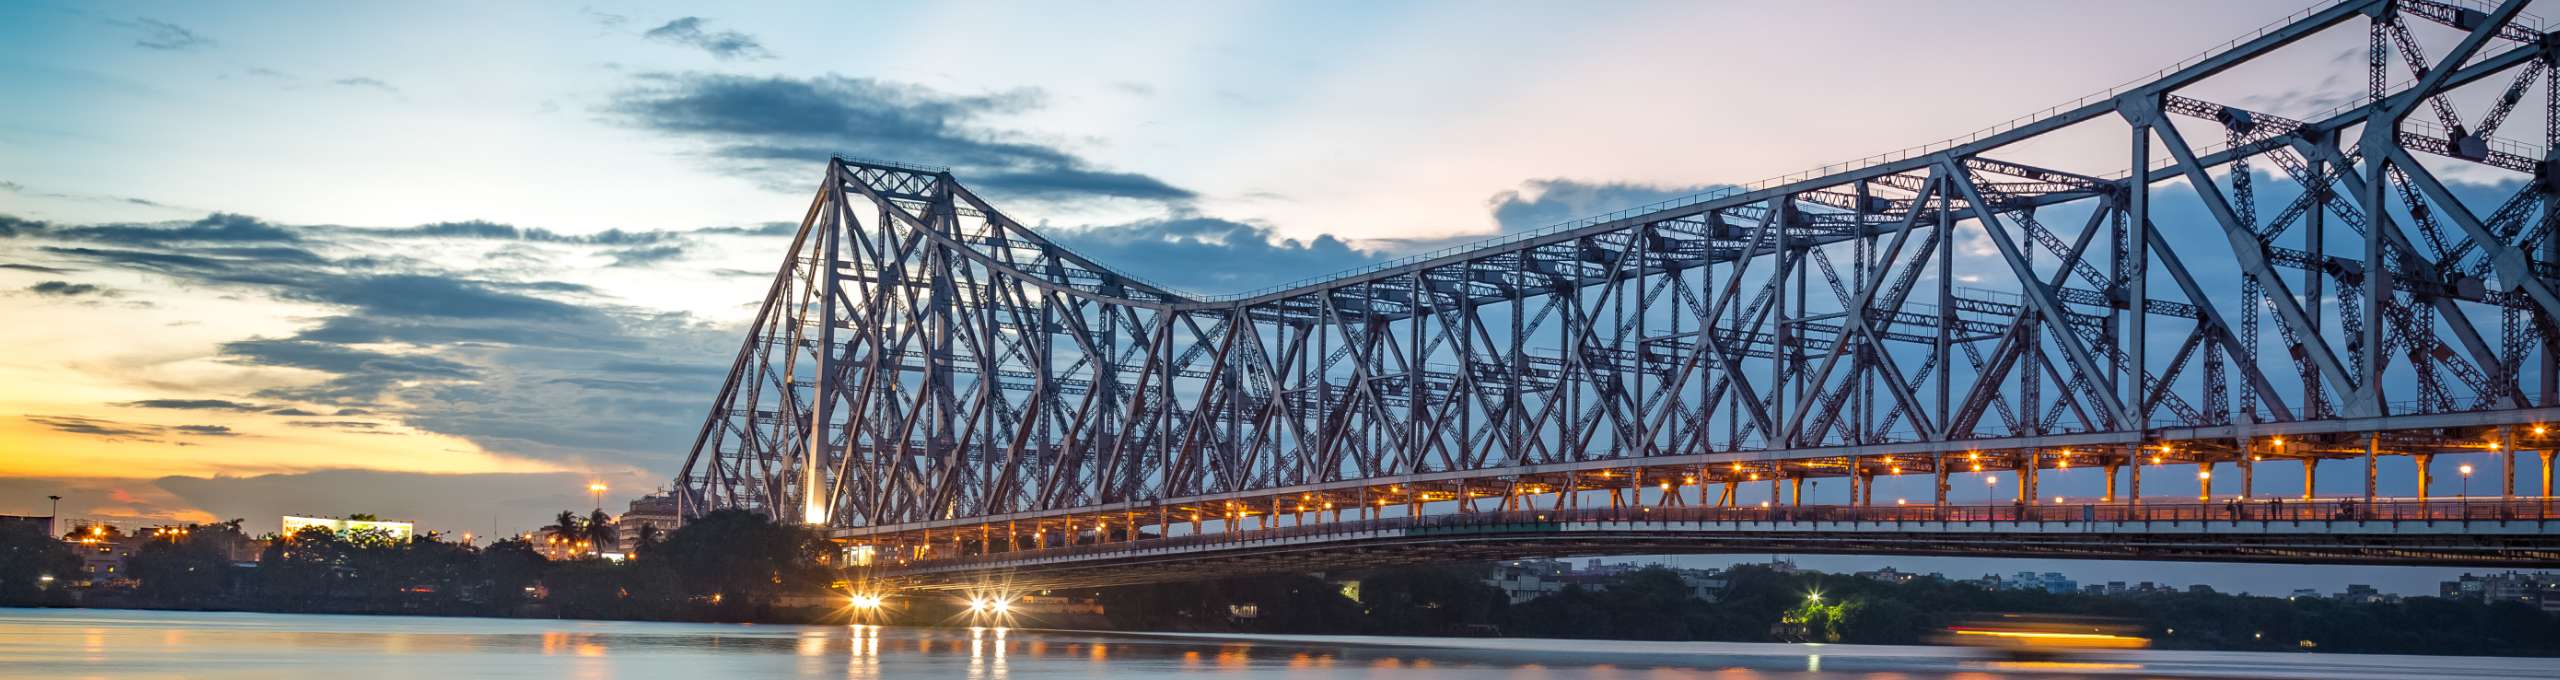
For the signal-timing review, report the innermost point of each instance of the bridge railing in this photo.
(2255, 511)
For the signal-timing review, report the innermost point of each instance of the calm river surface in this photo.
(96, 643)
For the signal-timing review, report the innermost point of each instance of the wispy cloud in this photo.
(365, 82)
(162, 35)
(690, 31)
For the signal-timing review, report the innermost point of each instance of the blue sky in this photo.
(306, 256)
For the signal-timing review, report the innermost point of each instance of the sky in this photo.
(453, 262)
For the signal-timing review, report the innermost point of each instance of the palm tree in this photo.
(601, 532)
(565, 528)
(650, 537)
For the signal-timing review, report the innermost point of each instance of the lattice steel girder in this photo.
(921, 358)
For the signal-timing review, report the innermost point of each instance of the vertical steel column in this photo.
(2138, 213)
(2372, 452)
(2133, 489)
(2111, 484)
(2248, 475)
(2310, 468)
(2425, 461)
(2506, 463)
(1940, 471)
(2204, 481)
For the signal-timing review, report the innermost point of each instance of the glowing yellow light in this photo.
(1901, 501)
(2538, 430)
(2466, 469)
(2204, 475)
(1897, 469)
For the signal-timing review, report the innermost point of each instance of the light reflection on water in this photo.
(123, 645)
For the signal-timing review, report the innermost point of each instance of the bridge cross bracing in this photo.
(930, 379)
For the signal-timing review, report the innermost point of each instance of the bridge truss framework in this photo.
(929, 377)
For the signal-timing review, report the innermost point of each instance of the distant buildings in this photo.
(396, 531)
(1525, 580)
(2051, 582)
(2540, 589)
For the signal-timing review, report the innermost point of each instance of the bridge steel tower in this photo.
(2259, 284)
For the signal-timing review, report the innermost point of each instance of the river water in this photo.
(125, 644)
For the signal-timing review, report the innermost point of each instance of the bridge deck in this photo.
(2523, 531)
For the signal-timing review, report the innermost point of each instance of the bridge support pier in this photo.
(2133, 480)
(2506, 463)
(2111, 485)
(2425, 462)
(2546, 474)
(1940, 472)
(1795, 490)
(2028, 477)
(2248, 476)
(2310, 466)
(2372, 451)
(2204, 481)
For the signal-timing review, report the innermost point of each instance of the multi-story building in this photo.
(654, 510)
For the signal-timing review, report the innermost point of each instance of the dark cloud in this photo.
(410, 295)
(291, 412)
(12, 226)
(783, 126)
(352, 412)
(214, 228)
(689, 31)
(67, 289)
(40, 269)
(110, 429)
(645, 256)
(196, 405)
(92, 426)
(1210, 255)
(162, 35)
(329, 358)
(364, 81)
(477, 229)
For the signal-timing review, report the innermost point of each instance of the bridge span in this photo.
(2486, 532)
(955, 396)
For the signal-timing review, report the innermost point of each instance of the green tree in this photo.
(27, 557)
(739, 561)
(190, 566)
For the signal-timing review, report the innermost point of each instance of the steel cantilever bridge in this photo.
(962, 401)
